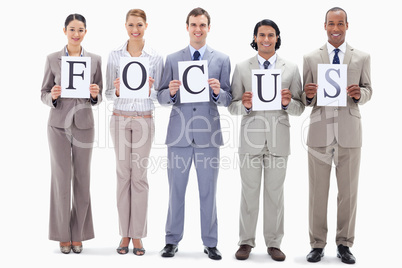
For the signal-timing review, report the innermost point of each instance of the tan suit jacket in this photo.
(340, 123)
(265, 127)
(70, 110)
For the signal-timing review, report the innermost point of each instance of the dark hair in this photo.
(267, 23)
(336, 9)
(198, 12)
(75, 16)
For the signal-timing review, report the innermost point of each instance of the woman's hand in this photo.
(55, 92)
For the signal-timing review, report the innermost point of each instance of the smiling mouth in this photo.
(266, 45)
(135, 35)
(336, 35)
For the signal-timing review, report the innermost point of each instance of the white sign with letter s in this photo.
(332, 83)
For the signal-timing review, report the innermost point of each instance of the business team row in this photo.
(334, 136)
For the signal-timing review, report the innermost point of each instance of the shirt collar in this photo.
(145, 50)
(331, 48)
(66, 51)
(201, 50)
(271, 60)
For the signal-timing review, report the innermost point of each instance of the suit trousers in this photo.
(206, 162)
(251, 168)
(347, 164)
(70, 152)
(132, 138)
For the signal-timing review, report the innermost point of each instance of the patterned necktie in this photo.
(266, 64)
(336, 58)
(196, 55)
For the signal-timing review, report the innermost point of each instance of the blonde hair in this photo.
(137, 13)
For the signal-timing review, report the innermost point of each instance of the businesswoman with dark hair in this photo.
(71, 136)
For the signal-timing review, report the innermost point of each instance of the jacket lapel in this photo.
(186, 55)
(324, 54)
(254, 63)
(208, 55)
(280, 64)
(61, 54)
(348, 54)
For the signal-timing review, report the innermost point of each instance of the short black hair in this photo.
(75, 16)
(336, 9)
(267, 23)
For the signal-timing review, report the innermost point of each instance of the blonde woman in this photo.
(132, 130)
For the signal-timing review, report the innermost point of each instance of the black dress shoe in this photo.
(169, 250)
(345, 255)
(315, 255)
(213, 253)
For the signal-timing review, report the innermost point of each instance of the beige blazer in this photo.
(70, 110)
(265, 127)
(340, 123)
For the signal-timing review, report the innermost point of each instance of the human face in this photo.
(336, 26)
(136, 27)
(198, 29)
(266, 39)
(75, 32)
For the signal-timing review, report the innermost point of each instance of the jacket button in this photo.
(194, 109)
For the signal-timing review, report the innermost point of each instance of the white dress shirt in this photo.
(113, 72)
(272, 62)
(341, 53)
(201, 50)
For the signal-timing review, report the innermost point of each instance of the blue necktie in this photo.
(196, 55)
(266, 64)
(336, 58)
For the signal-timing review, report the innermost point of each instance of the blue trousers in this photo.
(206, 162)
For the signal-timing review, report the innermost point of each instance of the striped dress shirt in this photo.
(113, 72)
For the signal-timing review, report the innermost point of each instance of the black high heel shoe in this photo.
(123, 250)
(138, 251)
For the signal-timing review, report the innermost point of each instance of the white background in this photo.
(33, 29)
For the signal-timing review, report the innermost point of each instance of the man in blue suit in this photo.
(194, 135)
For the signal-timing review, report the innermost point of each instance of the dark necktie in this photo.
(266, 64)
(336, 58)
(196, 55)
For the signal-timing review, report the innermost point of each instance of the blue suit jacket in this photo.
(195, 122)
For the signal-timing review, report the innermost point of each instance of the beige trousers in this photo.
(70, 214)
(251, 168)
(132, 139)
(347, 164)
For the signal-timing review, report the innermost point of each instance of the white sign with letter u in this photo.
(266, 87)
